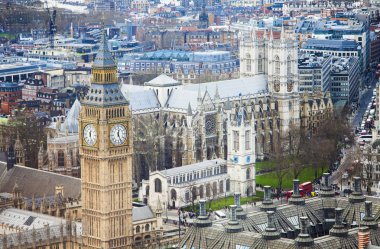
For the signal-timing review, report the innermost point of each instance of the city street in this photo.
(365, 98)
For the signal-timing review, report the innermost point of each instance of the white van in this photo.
(366, 138)
(220, 214)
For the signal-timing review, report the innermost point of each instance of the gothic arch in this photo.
(157, 185)
(201, 191)
(277, 65)
(173, 194)
(221, 187)
(214, 189)
(248, 63)
(260, 64)
(61, 158)
(208, 190)
(289, 66)
(248, 174)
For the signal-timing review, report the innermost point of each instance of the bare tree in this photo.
(279, 156)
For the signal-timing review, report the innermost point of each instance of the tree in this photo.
(279, 157)
(30, 129)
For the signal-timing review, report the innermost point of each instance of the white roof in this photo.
(193, 167)
(139, 97)
(163, 80)
(181, 97)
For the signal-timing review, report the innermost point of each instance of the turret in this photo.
(189, 116)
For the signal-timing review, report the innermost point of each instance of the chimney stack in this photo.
(296, 198)
(202, 220)
(326, 189)
(363, 237)
(240, 214)
(267, 202)
(368, 220)
(304, 239)
(233, 225)
(339, 229)
(270, 232)
(357, 196)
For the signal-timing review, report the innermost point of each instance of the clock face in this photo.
(118, 134)
(90, 135)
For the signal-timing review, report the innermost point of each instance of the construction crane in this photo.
(52, 26)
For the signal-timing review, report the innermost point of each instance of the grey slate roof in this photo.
(37, 182)
(104, 95)
(140, 98)
(142, 213)
(104, 57)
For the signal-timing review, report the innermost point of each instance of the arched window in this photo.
(194, 193)
(289, 66)
(173, 194)
(228, 185)
(208, 190)
(201, 192)
(214, 189)
(157, 185)
(138, 229)
(147, 228)
(260, 64)
(277, 65)
(248, 173)
(147, 191)
(61, 159)
(221, 187)
(248, 58)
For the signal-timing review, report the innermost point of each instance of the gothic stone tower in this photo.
(283, 79)
(105, 136)
(277, 59)
(241, 152)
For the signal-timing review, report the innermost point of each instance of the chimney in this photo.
(326, 189)
(270, 232)
(267, 202)
(363, 237)
(339, 229)
(357, 184)
(240, 214)
(233, 225)
(202, 220)
(202, 208)
(357, 196)
(368, 220)
(304, 225)
(326, 182)
(304, 239)
(267, 193)
(237, 199)
(296, 198)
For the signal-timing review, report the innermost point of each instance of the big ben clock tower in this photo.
(106, 158)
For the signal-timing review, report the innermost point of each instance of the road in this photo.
(365, 98)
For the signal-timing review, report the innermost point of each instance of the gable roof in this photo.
(162, 81)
